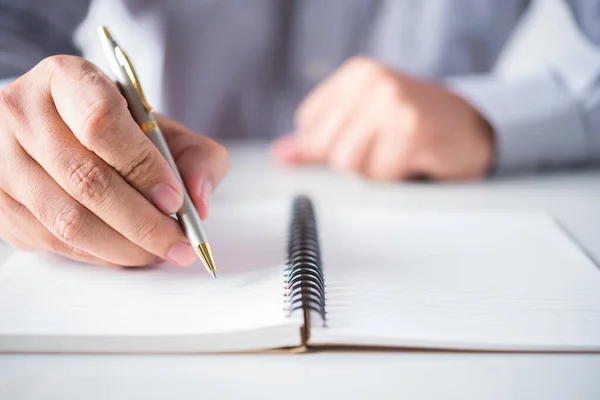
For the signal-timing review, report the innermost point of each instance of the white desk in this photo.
(574, 198)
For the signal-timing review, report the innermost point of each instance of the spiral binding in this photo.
(304, 280)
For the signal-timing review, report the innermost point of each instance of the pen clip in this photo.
(124, 62)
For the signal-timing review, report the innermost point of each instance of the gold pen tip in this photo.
(205, 254)
(104, 32)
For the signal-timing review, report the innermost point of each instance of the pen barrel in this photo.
(190, 222)
(188, 215)
(136, 107)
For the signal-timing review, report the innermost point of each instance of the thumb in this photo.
(287, 150)
(202, 162)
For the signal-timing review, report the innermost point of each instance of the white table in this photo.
(573, 197)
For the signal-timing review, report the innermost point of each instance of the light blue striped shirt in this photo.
(239, 68)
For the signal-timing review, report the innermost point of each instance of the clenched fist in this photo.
(370, 120)
(78, 177)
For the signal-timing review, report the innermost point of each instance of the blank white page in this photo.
(50, 296)
(499, 281)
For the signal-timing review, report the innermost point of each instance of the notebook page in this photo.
(456, 280)
(49, 295)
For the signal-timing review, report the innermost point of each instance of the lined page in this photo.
(50, 295)
(456, 280)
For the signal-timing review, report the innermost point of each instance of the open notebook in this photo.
(426, 279)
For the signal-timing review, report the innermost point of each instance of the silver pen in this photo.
(143, 114)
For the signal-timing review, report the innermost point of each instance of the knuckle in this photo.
(68, 222)
(360, 61)
(146, 230)
(363, 63)
(57, 62)
(10, 106)
(89, 180)
(388, 89)
(140, 165)
(64, 63)
(100, 117)
(89, 74)
(7, 100)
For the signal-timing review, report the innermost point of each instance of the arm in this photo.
(32, 30)
(552, 118)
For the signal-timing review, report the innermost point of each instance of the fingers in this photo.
(353, 122)
(10, 216)
(79, 231)
(349, 78)
(29, 234)
(352, 153)
(327, 117)
(326, 114)
(82, 170)
(396, 149)
(202, 162)
(386, 160)
(286, 150)
(94, 184)
(359, 150)
(97, 114)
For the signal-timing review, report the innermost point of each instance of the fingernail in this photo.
(166, 199)
(182, 254)
(207, 191)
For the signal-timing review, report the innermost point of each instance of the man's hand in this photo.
(79, 178)
(375, 122)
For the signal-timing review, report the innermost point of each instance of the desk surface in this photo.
(572, 197)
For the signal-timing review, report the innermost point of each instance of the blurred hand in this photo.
(370, 120)
(79, 178)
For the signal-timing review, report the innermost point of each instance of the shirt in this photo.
(239, 68)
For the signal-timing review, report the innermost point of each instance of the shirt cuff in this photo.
(535, 119)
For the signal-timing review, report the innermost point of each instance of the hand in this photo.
(370, 120)
(79, 178)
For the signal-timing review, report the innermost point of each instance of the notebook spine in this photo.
(304, 279)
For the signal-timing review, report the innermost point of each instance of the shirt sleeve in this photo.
(31, 30)
(549, 119)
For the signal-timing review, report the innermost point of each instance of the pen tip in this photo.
(205, 254)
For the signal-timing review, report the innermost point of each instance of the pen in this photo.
(143, 114)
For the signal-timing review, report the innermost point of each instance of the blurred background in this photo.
(547, 26)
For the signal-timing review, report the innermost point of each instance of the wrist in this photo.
(483, 138)
(486, 134)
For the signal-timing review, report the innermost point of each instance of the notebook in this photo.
(297, 275)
